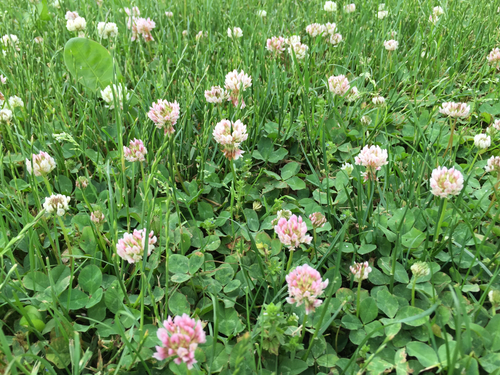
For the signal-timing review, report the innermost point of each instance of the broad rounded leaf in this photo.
(89, 63)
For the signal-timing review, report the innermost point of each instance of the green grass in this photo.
(70, 305)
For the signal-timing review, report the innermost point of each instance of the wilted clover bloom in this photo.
(353, 94)
(494, 297)
(276, 45)
(114, 93)
(165, 115)
(339, 85)
(82, 182)
(318, 220)
(43, 164)
(373, 158)
(316, 29)
(97, 217)
(493, 164)
(136, 151)
(378, 100)
(180, 338)
(131, 246)
(71, 16)
(236, 83)
(292, 232)
(455, 110)
(235, 32)
(494, 57)
(445, 182)
(366, 120)
(330, 6)
(230, 135)
(360, 271)
(347, 168)
(56, 203)
(305, 286)
(107, 30)
(482, 141)
(420, 269)
(391, 45)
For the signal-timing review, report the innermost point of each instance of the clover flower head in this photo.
(360, 271)
(180, 337)
(115, 92)
(318, 220)
(373, 158)
(339, 85)
(43, 164)
(136, 151)
(330, 6)
(335, 39)
(57, 204)
(230, 135)
(391, 45)
(131, 246)
(493, 164)
(455, 110)
(107, 30)
(292, 232)
(276, 45)
(445, 182)
(165, 115)
(215, 95)
(305, 285)
(235, 32)
(420, 269)
(482, 141)
(316, 29)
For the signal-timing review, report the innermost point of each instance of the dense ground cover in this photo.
(317, 183)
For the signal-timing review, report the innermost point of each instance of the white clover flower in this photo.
(330, 6)
(236, 32)
(15, 101)
(382, 14)
(5, 116)
(335, 39)
(391, 45)
(347, 168)
(108, 95)
(366, 120)
(78, 24)
(107, 30)
(261, 13)
(169, 14)
(482, 141)
(330, 28)
(299, 49)
(350, 8)
(57, 204)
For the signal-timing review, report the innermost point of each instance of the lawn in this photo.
(264, 187)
